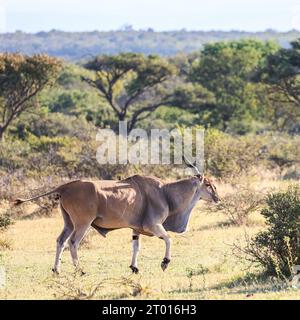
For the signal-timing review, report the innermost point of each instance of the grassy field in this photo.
(203, 265)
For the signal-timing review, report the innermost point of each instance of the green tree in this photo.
(281, 75)
(135, 86)
(225, 69)
(21, 79)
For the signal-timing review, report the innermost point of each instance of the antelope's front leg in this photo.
(159, 231)
(135, 249)
(167, 259)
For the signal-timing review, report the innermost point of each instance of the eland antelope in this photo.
(146, 205)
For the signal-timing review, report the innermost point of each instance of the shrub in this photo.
(228, 156)
(13, 155)
(5, 221)
(277, 249)
(283, 150)
(237, 206)
(45, 206)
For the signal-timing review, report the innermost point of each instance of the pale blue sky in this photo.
(88, 15)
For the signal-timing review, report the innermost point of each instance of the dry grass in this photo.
(202, 266)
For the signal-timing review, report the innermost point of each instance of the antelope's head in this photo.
(207, 189)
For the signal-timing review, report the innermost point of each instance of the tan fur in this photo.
(147, 205)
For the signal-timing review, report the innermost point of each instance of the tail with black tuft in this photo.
(57, 190)
(18, 202)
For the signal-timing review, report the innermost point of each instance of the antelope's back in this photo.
(124, 203)
(119, 203)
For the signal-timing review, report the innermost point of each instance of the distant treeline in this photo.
(82, 45)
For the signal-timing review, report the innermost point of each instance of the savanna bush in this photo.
(5, 221)
(227, 155)
(238, 205)
(53, 125)
(13, 153)
(283, 150)
(67, 149)
(277, 249)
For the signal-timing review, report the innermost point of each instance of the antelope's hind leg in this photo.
(62, 239)
(74, 241)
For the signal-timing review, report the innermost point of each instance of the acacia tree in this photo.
(135, 85)
(21, 79)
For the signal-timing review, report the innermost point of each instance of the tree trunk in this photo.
(1, 133)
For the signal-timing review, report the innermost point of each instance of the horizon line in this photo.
(150, 29)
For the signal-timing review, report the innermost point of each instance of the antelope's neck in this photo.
(182, 195)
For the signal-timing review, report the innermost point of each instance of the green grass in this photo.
(202, 266)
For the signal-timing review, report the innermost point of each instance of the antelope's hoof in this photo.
(80, 271)
(134, 269)
(55, 271)
(165, 263)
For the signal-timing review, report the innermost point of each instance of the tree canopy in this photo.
(135, 85)
(281, 75)
(225, 69)
(21, 79)
(237, 87)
